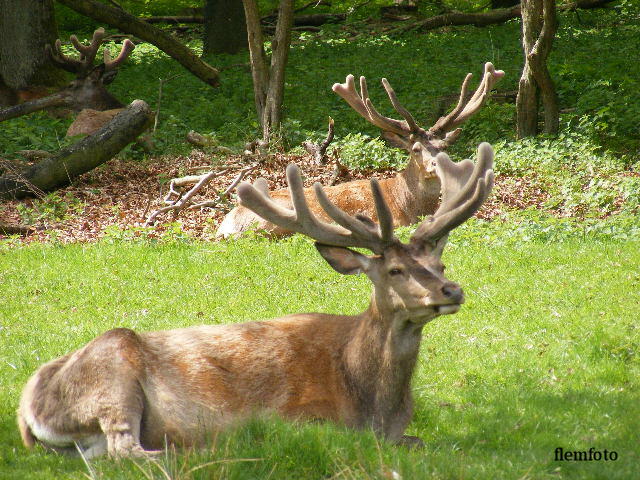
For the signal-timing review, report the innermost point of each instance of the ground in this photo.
(125, 192)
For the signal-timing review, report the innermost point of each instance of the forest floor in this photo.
(124, 193)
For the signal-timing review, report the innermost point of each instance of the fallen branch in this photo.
(185, 201)
(6, 229)
(312, 20)
(499, 15)
(128, 23)
(83, 156)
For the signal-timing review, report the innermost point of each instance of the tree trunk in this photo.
(268, 81)
(81, 157)
(25, 28)
(128, 23)
(225, 28)
(280, 46)
(538, 30)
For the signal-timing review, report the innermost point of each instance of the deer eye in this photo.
(395, 271)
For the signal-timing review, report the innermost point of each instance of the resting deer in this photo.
(412, 193)
(124, 392)
(88, 89)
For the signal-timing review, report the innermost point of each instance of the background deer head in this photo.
(423, 145)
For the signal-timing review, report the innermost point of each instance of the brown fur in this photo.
(411, 194)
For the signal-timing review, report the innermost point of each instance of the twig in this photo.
(184, 201)
(319, 151)
(157, 115)
(223, 196)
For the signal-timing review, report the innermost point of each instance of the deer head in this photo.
(88, 88)
(408, 278)
(423, 145)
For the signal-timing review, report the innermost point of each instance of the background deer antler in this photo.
(83, 65)
(404, 133)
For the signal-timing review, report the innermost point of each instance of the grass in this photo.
(543, 355)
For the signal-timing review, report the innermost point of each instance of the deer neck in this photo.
(379, 363)
(421, 191)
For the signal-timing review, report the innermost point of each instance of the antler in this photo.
(400, 131)
(83, 65)
(465, 187)
(358, 231)
(466, 108)
(361, 103)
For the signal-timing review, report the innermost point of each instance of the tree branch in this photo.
(130, 24)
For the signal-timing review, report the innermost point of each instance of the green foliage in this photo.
(580, 177)
(597, 83)
(51, 208)
(38, 131)
(543, 354)
(358, 151)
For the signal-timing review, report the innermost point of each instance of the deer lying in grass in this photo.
(124, 392)
(412, 193)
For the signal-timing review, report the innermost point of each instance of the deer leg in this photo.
(122, 434)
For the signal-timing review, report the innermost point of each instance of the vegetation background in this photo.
(543, 355)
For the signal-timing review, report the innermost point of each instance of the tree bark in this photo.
(225, 29)
(268, 80)
(81, 157)
(538, 30)
(128, 23)
(25, 28)
(280, 46)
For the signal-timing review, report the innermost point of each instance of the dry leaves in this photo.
(125, 192)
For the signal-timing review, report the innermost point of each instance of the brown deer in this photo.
(412, 193)
(126, 393)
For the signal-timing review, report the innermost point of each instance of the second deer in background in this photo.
(413, 192)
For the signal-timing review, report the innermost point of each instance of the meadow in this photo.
(542, 355)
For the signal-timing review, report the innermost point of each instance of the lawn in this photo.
(542, 355)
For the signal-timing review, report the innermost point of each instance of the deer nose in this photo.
(453, 292)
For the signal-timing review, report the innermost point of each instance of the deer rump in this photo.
(179, 386)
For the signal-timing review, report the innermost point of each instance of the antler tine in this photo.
(348, 92)
(464, 189)
(411, 123)
(350, 232)
(88, 52)
(362, 104)
(466, 108)
(125, 51)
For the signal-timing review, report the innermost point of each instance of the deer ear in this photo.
(343, 260)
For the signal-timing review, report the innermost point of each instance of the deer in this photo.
(127, 393)
(412, 193)
(87, 90)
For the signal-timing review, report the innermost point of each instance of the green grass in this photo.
(544, 353)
